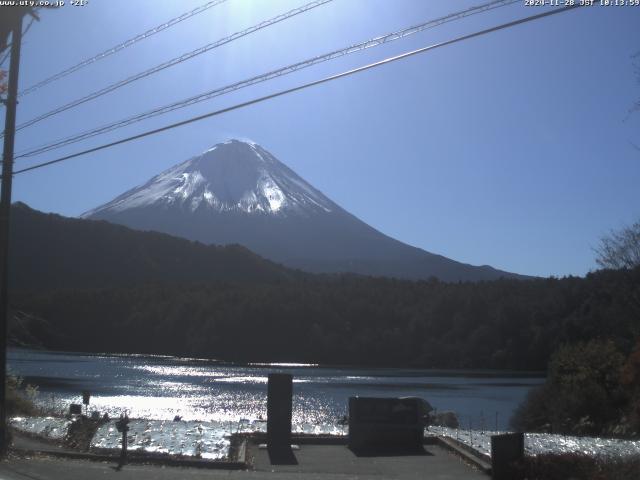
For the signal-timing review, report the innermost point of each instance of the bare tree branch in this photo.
(620, 249)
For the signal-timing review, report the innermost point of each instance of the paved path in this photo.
(314, 462)
(27, 442)
(328, 460)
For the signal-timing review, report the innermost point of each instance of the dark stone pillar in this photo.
(280, 391)
(505, 450)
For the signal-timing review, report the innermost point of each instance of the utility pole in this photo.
(14, 24)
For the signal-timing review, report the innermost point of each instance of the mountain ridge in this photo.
(238, 192)
(49, 251)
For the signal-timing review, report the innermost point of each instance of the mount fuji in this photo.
(238, 192)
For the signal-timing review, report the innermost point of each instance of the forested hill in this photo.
(504, 324)
(50, 251)
(93, 286)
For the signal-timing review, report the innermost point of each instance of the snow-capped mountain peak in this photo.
(238, 193)
(234, 176)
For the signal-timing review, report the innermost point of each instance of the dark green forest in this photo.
(94, 286)
(506, 324)
(51, 251)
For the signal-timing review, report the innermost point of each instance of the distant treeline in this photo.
(342, 319)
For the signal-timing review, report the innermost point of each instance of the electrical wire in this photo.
(174, 61)
(303, 86)
(120, 46)
(389, 37)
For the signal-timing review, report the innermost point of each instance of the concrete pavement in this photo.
(311, 462)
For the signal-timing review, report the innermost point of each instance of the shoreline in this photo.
(433, 371)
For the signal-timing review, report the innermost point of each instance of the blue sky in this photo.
(515, 149)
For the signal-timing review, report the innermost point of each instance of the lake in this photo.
(157, 387)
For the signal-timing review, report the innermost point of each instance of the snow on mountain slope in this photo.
(230, 177)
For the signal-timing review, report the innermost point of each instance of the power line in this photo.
(264, 77)
(121, 46)
(302, 87)
(174, 61)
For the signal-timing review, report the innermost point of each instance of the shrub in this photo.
(576, 466)
(20, 397)
(583, 392)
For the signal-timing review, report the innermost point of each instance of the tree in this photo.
(582, 393)
(631, 381)
(620, 249)
(3, 84)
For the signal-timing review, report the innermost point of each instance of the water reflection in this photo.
(159, 388)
